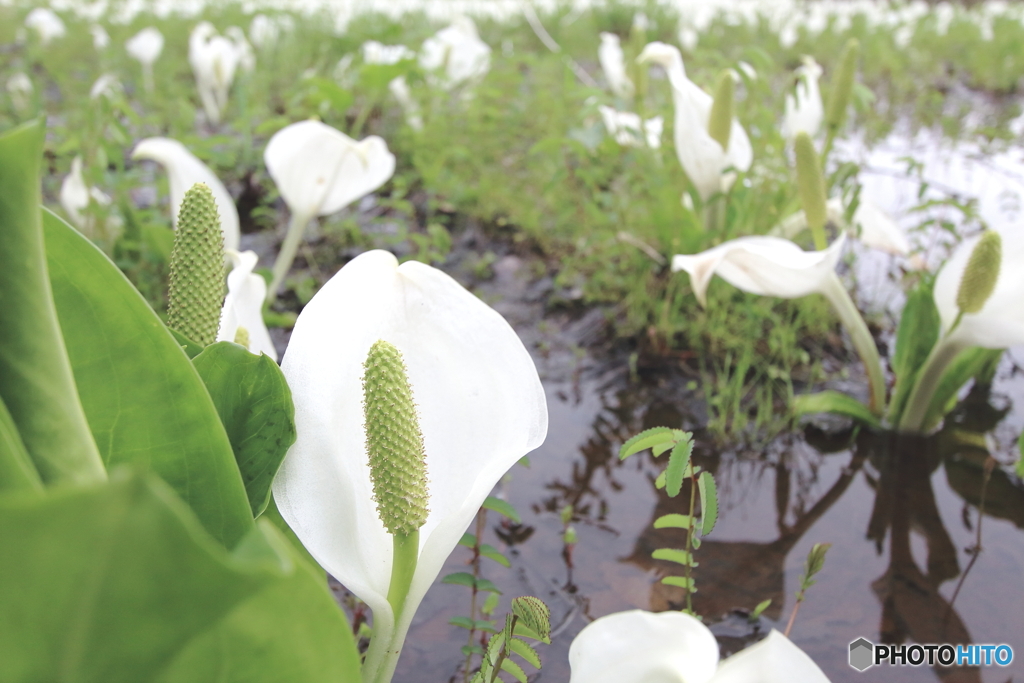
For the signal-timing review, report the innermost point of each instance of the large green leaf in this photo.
(963, 368)
(255, 406)
(35, 378)
(17, 473)
(119, 582)
(145, 402)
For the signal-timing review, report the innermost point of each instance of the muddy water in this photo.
(902, 515)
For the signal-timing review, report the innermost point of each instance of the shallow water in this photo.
(902, 515)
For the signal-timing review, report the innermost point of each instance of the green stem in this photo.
(386, 643)
(296, 229)
(689, 540)
(928, 377)
(829, 140)
(364, 114)
(863, 342)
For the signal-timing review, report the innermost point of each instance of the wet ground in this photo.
(902, 515)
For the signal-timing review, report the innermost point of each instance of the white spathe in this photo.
(146, 45)
(672, 647)
(100, 37)
(20, 88)
(763, 265)
(319, 170)
(480, 404)
(246, 57)
(106, 86)
(700, 155)
(46, 23)
(610, 55)
(1000, 322)
(215, 59)
(400, 89)
(75, 196)
(628, 130)
(871, 225)
(243, 305)
(804, 111)
(457, 52)
(375, 52)
(184, 170)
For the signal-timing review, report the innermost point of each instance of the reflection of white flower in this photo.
(379, 53)
(614, 65)
(184, 170)
(457, 52)
(670, 647)
(75, 196)
(700, 155)
(480, 405)
(243, 305)
(48, 25)
(804, 112)
(626, 126)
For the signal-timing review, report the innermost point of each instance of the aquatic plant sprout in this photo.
(318, 171)
(772, 266)
(639, 646)
(480, 407)
(241, 318)
(701, 156)
(184, 170)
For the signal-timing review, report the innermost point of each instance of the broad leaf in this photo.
(963, 368)
(36, 382)
(502, 507)
(119, 582)
(145, 403)
(834, 402)
(17, 473)
(917, 334)
(255, 407)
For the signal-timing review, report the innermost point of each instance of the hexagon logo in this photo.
(861, 654)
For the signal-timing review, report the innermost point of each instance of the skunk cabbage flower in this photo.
(241, 318)
(628, 130)
(480, 407)
(263, 31)
(145, 47)
(107, 86)
(673, 647)
(184, 170)
(246, 58)
(318, 171)
(100, 37)
(20, 88)
(47, 24)
(701, 156)
(379, 53)
(871, 225)
(75, 196)
(804, 112)
(1000, 322)
(614, 65)
(763, 265)
(214, 60)
(458, 52)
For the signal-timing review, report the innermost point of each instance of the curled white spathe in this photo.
(75, 196)
(457, 53)
(613, 63)
(319, 170)
(184, 170)
(215, 59)
(804, 111)
(763, 265)
(671, 647)
(700, 155)
(146, 46)
(243, 305)
(480, 405)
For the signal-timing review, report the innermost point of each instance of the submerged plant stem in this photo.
(862, 340)
(296, 230)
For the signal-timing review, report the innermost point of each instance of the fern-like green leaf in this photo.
(708, 502)
(677, 463)
(644, 440)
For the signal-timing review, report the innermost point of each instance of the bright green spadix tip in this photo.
(720, 120)
(398, 467)
(196, 291)
(981, 273)
(842, 87)
(242, 337)
(811, 185)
